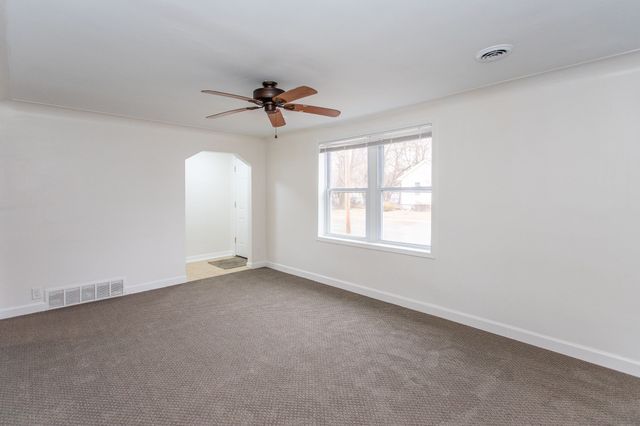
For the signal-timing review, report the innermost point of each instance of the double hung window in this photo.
(377, 189)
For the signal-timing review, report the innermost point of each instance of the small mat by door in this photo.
(234, 262)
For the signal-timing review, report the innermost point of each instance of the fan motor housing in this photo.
(267, 93)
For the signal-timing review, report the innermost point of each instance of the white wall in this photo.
(85, 197)
(208, 201)
(4, 62)
(536, 212)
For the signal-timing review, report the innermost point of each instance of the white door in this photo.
(241, 206)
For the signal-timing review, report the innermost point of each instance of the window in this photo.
(376, 190)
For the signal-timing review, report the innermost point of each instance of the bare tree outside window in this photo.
(396, 208)
(402, 156)
(406, 214)
(348, 170)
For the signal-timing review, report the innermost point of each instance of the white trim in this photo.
(376, 246)
(257, 264)
(16, 311)
(377, 138)
(238, 162)
(585, 353)
(31, 308)
(232, 206)
(209, 256)
(152, 285)
(373, 238)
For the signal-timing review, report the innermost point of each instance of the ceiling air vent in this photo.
(494, 53)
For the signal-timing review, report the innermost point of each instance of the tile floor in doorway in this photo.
(201, 270)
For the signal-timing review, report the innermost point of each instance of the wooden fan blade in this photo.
(297, 93)
(233, 111)
(310, 109)
(276, 118)
(231, 95)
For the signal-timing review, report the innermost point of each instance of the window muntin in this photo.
(378, 189)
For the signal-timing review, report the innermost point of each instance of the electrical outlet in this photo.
(36, 293)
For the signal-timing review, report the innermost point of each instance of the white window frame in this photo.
(373, 194)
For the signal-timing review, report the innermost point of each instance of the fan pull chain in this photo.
(276, 135)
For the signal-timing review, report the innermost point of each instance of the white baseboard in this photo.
(181, 279)
(16, 311)
(209, 256)
(257, 264)
(585, 353)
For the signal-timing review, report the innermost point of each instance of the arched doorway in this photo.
(217, 214)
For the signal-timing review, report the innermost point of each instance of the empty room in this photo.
(411, 212)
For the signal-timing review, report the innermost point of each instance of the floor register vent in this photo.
(60, 297)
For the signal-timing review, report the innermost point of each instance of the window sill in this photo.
(378, 246)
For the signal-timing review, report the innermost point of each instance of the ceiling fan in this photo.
(272, 99)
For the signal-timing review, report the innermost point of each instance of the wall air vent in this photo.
(71, 296)
(102, 290)
(117, 288)
(56, 298)
(67, 296)
(88, 293)
(494, 53)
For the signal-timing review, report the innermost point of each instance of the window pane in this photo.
(406, 217)
(408, 164)
(348, 213)
(348, 168)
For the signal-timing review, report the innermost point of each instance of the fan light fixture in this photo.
(272, 99)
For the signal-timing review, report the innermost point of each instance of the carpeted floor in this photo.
(263, 347)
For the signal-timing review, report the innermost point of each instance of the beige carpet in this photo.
(263, 347)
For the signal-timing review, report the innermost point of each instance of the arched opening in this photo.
(217, 214)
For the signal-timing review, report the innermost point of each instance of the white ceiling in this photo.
(150, 58)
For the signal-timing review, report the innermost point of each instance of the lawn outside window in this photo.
(376, 191)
